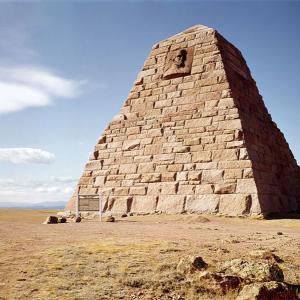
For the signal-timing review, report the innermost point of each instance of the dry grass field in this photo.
(133, 258)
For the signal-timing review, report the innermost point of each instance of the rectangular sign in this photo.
(88, 203)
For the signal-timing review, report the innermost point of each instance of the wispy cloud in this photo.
(26, 155)
(31, 86)
(36, 190)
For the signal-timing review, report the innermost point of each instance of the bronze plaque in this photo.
(87, 203)
(179, 63)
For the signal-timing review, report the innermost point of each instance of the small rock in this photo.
(62, 220)
(78, 219)
(267, 291)
(191, 264)
(124, 216)
(51, 220)
(279, 233)
(109, 219)
(253, 270)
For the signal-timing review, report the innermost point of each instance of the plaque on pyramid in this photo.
(193, 136)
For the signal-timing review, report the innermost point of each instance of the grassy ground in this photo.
(134, 258)
(24, 215)
(109, 270)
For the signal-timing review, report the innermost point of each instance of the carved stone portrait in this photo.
(179, 63)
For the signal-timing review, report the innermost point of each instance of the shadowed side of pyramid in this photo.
(275, 170)
(193, 136)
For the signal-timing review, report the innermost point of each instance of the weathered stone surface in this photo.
(51, 220)
(226, 154)
(120, 204)
(202, 203)
(169, 188)
(246, 186)
(204, 189)
(193, 125)
(194, 176)
(181, 149)
(144, 204)
(233, 174)
(225, 188)
(219, 283)
(212, 176)
(198, 122)
(151, 177)
(121, 191)
(128, 169)
(258, 270)
(170, 204)
(191, 264)
(230, 125)
(186, 189)
(235, 204)
(146, 168)
(267, 290)
(137, 190)
(202, 156)
(131, 144)
(100, 180)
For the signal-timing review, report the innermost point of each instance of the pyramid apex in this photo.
(193, 29)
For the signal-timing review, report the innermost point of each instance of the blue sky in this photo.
(67, 67)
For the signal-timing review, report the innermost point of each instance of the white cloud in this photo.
(64, 179)
(46, 81)
(47, 189)
(26, 155)
(15, 97)
(35, 191)
(31, 86)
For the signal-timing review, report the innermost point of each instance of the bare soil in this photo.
(133, 258)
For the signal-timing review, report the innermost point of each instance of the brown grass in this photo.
(108, 270)
(134, 258)
(24, 215)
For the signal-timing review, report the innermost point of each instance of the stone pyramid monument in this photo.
(193, 136)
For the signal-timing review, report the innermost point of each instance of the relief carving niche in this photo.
(178, 63)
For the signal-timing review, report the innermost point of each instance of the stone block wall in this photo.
(192, 137)
(276, 173)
